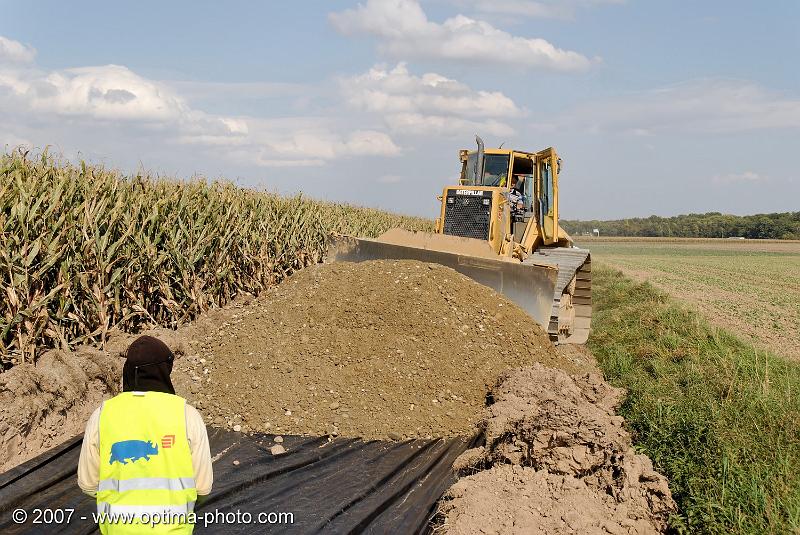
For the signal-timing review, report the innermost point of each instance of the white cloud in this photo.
(112, 98)
(709, 106)
(107, 92)
(428, 104)
(302, 142)
(740, 178)
(297, 146)
(327, 145)
(438, 125)
(551, 9)
(15, 52)
(405, 32)
(396, 90)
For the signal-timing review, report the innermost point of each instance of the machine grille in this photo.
(468, 215)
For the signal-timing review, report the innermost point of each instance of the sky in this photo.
(656, 107)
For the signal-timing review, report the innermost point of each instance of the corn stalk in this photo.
(84, 250)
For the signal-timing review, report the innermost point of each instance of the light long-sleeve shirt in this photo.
(89, 462)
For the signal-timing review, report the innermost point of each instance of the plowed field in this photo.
(750, 287)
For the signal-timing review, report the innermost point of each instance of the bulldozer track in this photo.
(573, 264)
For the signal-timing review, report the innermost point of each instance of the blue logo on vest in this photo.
(133, 450)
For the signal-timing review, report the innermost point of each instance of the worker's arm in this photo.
(89, 461)
(201, 452)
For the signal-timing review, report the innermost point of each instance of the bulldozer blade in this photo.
(529, 286)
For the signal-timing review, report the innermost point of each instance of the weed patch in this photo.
(720, 418)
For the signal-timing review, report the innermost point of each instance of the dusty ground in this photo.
(556, 460)
(748, 287)
(45, 404)
(42, 406)
(382, 349)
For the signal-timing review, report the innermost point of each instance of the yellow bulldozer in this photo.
(499, 226)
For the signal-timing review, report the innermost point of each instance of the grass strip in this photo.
(719, 417)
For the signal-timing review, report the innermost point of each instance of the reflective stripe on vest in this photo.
(139, 510)
(145, 483)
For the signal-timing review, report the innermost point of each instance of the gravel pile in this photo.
(381, 349)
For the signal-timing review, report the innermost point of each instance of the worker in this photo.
(516, 197)
(145, 451)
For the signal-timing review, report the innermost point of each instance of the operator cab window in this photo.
(469, 170)
(495, 172)
(523, 170)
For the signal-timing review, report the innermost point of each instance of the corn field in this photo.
(84, 250)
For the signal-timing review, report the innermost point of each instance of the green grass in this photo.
(718, 417)
(749, 288)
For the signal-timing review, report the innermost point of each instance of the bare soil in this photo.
(556, 460)
(386, 349)
(46, 403)
(41, 406)
(381, 349)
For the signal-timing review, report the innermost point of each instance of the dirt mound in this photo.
(376, 349)
(46, 403)
(42, 405)
(511, 499)
(556, 459)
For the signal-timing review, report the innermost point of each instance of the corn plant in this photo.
(84, 249)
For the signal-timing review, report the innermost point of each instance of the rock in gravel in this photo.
(278, 440)
(277, 449)
(237, 428)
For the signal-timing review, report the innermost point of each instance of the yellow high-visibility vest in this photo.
(146, 468)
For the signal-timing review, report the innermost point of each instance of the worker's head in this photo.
(148, 365)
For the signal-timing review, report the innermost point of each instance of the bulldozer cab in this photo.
(498, 175)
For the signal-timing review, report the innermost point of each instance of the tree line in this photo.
(780, 226)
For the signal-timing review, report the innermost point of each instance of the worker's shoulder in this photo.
(193, 413)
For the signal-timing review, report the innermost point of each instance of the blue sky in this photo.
(656, 107)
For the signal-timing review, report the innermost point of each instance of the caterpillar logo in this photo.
(469, 192)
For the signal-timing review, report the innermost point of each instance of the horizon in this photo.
(368, 102)
(167, 176)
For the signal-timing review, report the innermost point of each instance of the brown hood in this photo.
(148, 365)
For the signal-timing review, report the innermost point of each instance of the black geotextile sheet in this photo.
(340, 486)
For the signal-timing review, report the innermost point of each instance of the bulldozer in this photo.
(499, 226)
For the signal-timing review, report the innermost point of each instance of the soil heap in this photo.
(556, 460)
(379, 349)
